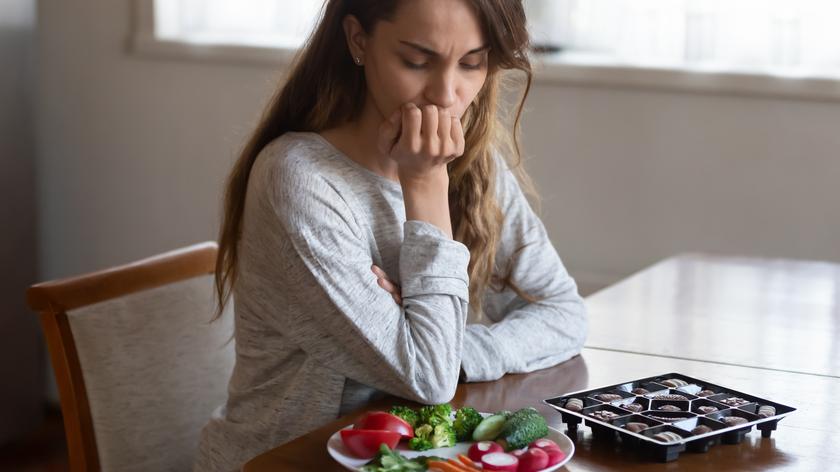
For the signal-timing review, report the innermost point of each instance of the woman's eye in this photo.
(412, 65)
(472, 66)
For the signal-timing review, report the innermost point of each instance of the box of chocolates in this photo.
(665, 415)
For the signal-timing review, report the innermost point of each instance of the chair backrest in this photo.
(139, 366)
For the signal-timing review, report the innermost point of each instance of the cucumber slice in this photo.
(489, 428)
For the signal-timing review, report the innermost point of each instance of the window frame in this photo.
(558, 69)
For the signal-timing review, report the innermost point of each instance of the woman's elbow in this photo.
(438, 391)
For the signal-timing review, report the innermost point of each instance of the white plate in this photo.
(338, 452)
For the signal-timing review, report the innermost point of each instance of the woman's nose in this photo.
(441, 89)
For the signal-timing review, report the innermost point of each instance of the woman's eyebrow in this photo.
(433, 53)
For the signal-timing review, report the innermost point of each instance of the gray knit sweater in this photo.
(317, 337)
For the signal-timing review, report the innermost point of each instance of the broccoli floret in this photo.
(424, 431)
(419, 444)
(466, 419)
(436, 420)
(523, 427)
(410, 416)
(431, 414)
(421, 440)
(443, 436)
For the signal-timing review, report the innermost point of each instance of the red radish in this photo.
(544, 443)
(533, 460)
(517, 452)
(479, 449)
(555, 455)
(500, 461)
(364, 443)
(379, 420)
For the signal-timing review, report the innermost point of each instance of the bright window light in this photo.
(781, 37)
(267, 23)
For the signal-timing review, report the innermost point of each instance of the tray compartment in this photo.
(681, 405)
(669, 416)
(735, 433)
(701, 442)
(643, 402)
(703, 402)
(671, 394)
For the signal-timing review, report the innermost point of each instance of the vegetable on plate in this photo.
(385, 421)
(365, 443)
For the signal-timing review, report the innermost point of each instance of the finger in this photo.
(410, 136)
(398, 299)
(447, 146)
(378, 271)
(429, 130)
(389, 131)
(389, 286)
(457, 136)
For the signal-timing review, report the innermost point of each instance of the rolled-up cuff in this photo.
(431, 263)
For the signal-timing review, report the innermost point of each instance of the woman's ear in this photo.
(356, 38)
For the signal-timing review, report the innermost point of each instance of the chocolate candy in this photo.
(766, 411)
(702, 429)
(734, 401)
(707, 409)
(634, 407)
(705, 393)
(668, 419)
(669, 408)
(608, 397)
(575, 404)
(604, 415)
(640, 391)
(733, 420)
(674, 383)
(635, 426)
(670, 397)
(667, 436)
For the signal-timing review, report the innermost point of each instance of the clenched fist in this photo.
(421, 140)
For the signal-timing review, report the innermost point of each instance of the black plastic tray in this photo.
(690, 414)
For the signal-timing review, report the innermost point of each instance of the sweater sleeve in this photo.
(413, 351)
(526, 336)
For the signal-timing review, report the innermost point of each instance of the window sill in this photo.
(556, 69)
(589, 71)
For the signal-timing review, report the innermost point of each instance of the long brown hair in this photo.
(325, 89)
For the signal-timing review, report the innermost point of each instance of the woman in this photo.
(371, 211)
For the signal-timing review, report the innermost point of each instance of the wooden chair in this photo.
(139, 366)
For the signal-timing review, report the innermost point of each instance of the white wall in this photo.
(133, 153)
(630, 176)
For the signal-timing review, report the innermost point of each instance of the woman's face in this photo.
(433, 52)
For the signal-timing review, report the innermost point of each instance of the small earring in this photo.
(358, 60)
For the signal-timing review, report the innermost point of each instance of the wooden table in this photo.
(767, 327)
(775, 314)
(805, 440)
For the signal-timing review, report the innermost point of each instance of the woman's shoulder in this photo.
(296, 153)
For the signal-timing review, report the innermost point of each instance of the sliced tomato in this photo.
(365, 443)
(385, 422)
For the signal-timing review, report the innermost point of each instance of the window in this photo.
(775, 36)
(264, 23)
(764, 47)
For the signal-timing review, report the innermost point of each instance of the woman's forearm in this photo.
(427, 199)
